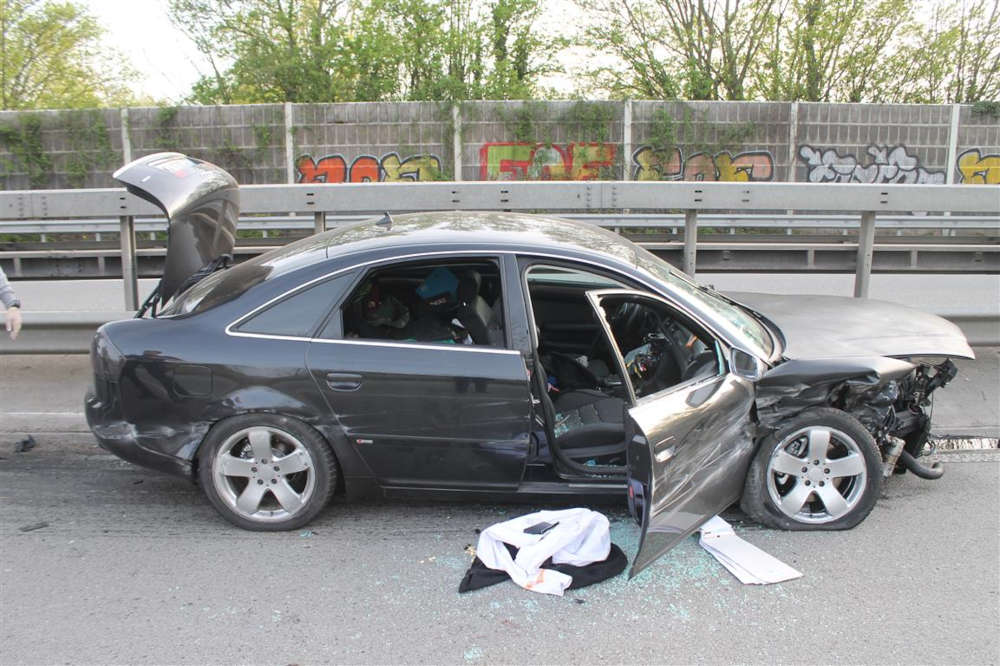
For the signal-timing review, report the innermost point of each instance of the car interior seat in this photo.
(587, 423)
(474, 313)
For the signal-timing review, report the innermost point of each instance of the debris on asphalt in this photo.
(306, 533)
(25, 445)
(33, 526)
(750, 564)
(135, 483)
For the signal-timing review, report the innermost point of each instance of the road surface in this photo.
(135, 567)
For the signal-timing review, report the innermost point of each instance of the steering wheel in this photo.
(626, 325)
(627, 316)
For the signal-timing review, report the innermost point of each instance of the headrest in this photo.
(468, 286)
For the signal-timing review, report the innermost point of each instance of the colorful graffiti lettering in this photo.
(978, 169)
(650, 164)
(367, 169)
(887, 165)
(542, 161)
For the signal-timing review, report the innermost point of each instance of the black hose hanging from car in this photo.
(909, 462)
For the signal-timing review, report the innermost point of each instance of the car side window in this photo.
(661, 347)
(454, 301)
(298, 314)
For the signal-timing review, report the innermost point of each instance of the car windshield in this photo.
(739, 319)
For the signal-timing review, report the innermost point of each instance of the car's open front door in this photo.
(690, 442)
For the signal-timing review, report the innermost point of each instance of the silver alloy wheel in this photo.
(816, 475)
(264, 474)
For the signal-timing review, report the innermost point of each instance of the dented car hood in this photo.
(202, 204)
(837, 326)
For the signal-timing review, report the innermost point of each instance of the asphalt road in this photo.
(136, 567)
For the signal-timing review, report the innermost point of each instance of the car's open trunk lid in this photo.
(829, 326)
(202, 204)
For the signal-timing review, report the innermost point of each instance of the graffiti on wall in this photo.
(520, 160)
(367, 169)
(975, 168)
(754, 165)
(887, 165)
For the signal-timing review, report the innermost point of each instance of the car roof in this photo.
(447, 230)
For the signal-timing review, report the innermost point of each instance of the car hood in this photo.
(837, 326)
(201, 202)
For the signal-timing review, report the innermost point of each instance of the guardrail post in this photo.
(456, 142)
(690, 241)
(129, 269)
(289, 144)
(866, 248)
(319, 221)
(627, 140)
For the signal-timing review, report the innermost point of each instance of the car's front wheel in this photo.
(819, 471)
(266, 472)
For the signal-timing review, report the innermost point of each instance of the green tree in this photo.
(954, 57)
(811, 50)
(51, 56)
(697, 49)
(276, 50)
(357, 50)
(846, 50)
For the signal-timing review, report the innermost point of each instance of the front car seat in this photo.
(474, 313)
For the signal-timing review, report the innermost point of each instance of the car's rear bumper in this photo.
(118, 436)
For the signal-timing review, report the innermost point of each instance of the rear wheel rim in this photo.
(816, 475)
(264, 474)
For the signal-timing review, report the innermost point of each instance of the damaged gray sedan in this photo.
(501, 356)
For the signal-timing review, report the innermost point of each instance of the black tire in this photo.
(233, 444)
(770, 501)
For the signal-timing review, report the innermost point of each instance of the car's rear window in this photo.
(298, 314)
(218, 288)
(224, 286)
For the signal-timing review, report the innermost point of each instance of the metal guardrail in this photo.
(947, 223)
(600, 198)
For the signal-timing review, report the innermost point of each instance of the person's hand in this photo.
(13, 321)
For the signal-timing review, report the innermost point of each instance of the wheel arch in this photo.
(348, 461)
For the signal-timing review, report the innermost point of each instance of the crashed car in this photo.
(498, 356)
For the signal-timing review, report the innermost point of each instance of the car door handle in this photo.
(343, 381)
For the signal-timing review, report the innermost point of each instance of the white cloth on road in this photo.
(579, 537)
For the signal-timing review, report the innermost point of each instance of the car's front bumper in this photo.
(123, 439)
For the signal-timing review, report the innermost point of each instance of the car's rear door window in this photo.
(457, 301)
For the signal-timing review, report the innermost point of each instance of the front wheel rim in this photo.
(264, 474)
(816, 475)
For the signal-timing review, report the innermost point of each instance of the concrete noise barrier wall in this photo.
(544, 140)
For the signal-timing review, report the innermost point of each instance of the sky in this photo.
(141, 31)
(170, 64)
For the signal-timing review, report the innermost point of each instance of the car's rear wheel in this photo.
(820, 471)
(267, 472)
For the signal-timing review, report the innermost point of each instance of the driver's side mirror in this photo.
(746, 365)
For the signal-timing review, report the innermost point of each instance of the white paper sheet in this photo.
(744, 560)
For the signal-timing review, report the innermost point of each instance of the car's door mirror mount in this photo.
(746, 365)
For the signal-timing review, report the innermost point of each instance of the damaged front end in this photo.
(891, 398)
